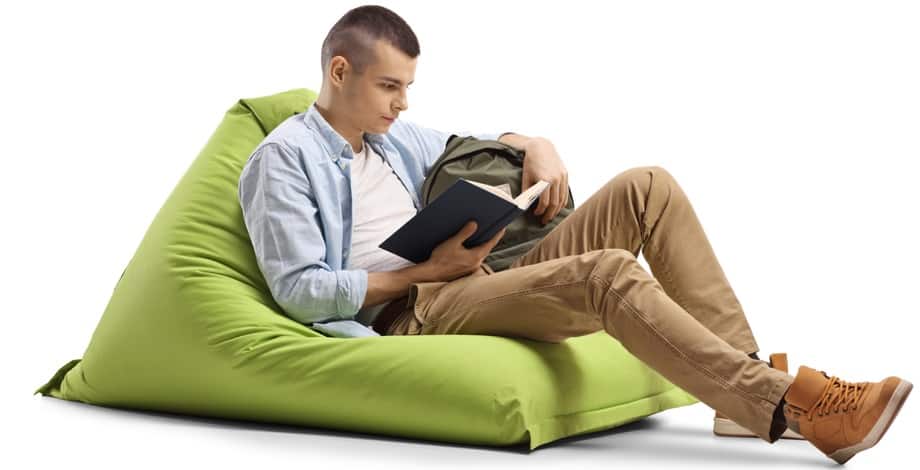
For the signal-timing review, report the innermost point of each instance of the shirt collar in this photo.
(340, 147)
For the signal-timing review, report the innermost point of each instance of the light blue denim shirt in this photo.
(296, 197)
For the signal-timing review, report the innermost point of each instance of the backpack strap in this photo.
(472, 145)
(461, 147)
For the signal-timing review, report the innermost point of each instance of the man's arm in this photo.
(282, 219)
(515, 140)
(383, 286)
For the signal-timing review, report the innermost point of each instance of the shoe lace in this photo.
(838, 394)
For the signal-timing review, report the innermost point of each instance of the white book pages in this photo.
(504, 191)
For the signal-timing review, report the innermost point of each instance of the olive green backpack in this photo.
(494, 163)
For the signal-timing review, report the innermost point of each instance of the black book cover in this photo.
(450, 211)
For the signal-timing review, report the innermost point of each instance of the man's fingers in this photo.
(495, 239)
(469, 226)
(553, 206)
(560, 194)
(498, 235)
(465, 232)
(543, 202)
(565, 189)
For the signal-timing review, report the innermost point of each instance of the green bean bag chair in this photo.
(192, 328)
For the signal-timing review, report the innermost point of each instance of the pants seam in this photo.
(667, 273)
(525, 291)
(682, 300)
(510, 294)
(725, 385)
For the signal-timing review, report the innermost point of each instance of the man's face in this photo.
(380, 92)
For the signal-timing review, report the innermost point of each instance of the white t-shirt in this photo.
(381, 205)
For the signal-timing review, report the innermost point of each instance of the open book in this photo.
(492, 207)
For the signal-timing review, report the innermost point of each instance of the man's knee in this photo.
(613, 266)
(641, 174)
(609, 257)
(616, 253)
(647, 169)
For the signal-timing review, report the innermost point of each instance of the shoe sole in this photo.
(727, 427)
(881, 426)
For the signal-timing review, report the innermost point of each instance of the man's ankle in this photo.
(779, 424)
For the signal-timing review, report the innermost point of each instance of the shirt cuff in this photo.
(350, 292)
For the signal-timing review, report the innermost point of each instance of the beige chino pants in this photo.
(583, 276)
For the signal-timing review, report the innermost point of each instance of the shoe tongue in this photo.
(806, 388)
(779, 361)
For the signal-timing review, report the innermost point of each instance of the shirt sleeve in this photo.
(281, 216)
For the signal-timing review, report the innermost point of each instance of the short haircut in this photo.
(355, 34)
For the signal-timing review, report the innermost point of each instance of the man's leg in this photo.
(641, 208)
(645, 208)
(604, 289)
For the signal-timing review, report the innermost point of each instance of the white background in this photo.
(792, 127)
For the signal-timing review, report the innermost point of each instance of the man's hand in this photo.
(542, 162)
(451, 259)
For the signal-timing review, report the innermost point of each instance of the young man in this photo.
(327, 186)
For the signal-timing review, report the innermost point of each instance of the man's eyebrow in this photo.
(397, 81)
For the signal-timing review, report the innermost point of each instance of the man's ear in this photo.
(337, 68)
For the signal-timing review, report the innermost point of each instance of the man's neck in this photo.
(354, 138)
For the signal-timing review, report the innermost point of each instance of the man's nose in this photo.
(403, 102)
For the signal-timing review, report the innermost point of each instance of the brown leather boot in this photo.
(724, 426)
(842, 418)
